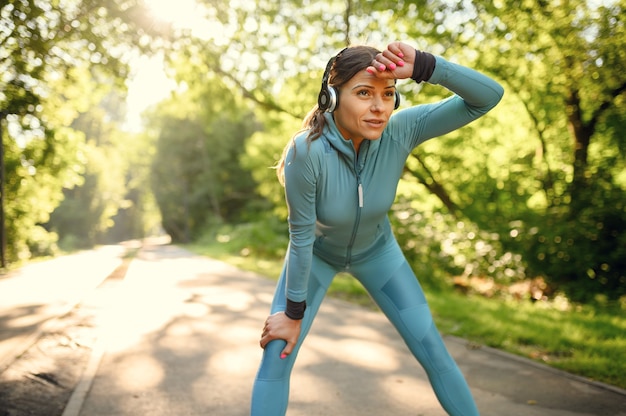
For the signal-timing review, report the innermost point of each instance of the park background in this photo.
(122, 119)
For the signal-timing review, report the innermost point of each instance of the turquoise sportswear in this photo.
(338, 221)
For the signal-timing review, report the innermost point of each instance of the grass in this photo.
(584, 340)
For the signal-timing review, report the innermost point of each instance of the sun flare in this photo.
(149, 83)
(180, 13)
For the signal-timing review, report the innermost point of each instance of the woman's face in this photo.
(365, 105)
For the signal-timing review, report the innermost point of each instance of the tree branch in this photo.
(605, 106)
(268, 104)
(433, 186)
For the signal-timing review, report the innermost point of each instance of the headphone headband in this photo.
(327, 98)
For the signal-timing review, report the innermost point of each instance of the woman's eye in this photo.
(363, 93)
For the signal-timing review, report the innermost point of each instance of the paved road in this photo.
(190, 347)
(179, 336)
(33, 295)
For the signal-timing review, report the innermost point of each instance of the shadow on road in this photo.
(180, 336)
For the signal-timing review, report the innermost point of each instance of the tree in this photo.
(542, 172)
(197, 176)
(86, 211)
(571, 78)
(137, 215)
(43, 44)
(564, 62)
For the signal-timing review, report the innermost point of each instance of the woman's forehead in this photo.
(365, 78)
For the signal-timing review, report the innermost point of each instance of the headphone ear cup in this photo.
(333, 99)
(397, 103)
(323, 99)
(328, 99)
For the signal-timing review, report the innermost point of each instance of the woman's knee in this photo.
(272, 366)
(436, 350)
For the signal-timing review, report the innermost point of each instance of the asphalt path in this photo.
(179, 336)
(34, 295)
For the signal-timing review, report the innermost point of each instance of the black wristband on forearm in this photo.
(295, 310)
(423, 66)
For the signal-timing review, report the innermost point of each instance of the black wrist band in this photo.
(295, 310)
(423, 66)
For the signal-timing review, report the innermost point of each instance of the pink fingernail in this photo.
(283, 356)
(400, 63)
(381, 67)
(400, 54)
(370, 70)
(392, 66)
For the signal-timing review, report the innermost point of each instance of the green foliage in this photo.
(40, 39)
(39, 167)
(112, 202)
(559, 160)
(265, 147)
(42, 243)
(440, 247)
(265, 239)
(584, 254)
(177, 168)
(138, 214)
(542, 176)
(197, 176)
(86, 210)
(50, 52)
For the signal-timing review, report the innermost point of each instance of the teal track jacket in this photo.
(338, 202)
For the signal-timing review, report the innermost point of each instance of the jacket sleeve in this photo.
(301, 173)
(474, 95)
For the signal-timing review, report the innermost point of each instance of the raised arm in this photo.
(475, 93)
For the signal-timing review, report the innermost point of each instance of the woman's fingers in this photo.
(392, 59)
(394, 62)
(279, 326)
(387, 61)
(287, 350)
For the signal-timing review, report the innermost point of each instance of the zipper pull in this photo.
(360, 195)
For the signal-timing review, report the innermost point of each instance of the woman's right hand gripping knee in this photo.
(280, 326)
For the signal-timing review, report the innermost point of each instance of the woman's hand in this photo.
(280, 326)
(394, 62)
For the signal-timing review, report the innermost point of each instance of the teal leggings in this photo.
(393, 286)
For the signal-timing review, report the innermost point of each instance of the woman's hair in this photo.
(345, 65)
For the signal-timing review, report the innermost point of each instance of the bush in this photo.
(584, 257)
(266, 238)
(42, 243)
(440, 248)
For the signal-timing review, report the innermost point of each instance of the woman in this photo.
(340, 176)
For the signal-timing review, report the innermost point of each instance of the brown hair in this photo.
(345, 65)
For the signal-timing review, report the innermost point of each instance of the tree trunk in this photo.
(3, 238)
(581, 133)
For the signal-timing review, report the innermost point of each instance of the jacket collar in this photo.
(343, 146)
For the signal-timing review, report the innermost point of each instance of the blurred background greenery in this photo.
(122, 119)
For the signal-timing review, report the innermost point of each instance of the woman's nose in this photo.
(377, 104)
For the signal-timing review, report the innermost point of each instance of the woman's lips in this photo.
(376, 123)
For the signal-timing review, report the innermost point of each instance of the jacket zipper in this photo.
(358, 218)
